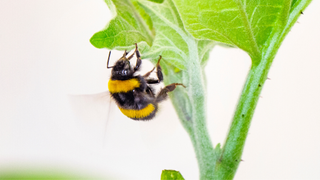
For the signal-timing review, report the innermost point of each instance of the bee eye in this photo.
(124, 72)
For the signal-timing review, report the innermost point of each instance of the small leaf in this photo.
(218, 149)
(171, 175)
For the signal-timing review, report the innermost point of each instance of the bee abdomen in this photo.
(123, 86)
(146, 113)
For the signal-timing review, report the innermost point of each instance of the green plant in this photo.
(184, 32)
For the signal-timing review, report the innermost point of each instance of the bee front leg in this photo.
(159, 70)
(150, 91)
(138, 63)
(159, 74)
(152, 81)
(148, 73)
(164, 92)
(125, 53)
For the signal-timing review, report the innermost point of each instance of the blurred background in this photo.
(46, 59)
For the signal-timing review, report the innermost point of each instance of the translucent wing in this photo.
(93, 112)
(91, 107)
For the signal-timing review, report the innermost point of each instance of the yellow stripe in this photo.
(118, 86)
(133, 113)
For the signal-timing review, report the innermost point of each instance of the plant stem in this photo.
(196, 90)
(190, 104)
(231, 153)
(203, 143)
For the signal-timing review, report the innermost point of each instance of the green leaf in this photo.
(129, 26)
(246, 24)
(171, 175)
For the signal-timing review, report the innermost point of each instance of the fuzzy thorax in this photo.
(123, 86)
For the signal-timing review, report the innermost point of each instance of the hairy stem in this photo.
(202, 145)
(231, 153)
(190, 104)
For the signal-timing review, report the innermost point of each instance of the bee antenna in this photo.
(108, 61)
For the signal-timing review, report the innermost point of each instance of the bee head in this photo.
(122, 69)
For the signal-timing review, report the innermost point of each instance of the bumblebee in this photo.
(133, 94)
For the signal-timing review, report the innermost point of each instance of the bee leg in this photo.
(136, 51)
(153, 81)
(125, 53)
(148, 73)
(159, 74)
(164, 92)
(159, 70)
(150, 91)
(138, 63)
(131, 56)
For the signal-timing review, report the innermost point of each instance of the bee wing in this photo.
(91, 107)
(92, 112)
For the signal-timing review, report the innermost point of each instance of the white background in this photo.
(45, 55)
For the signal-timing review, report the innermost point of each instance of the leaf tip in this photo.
(97, 40)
